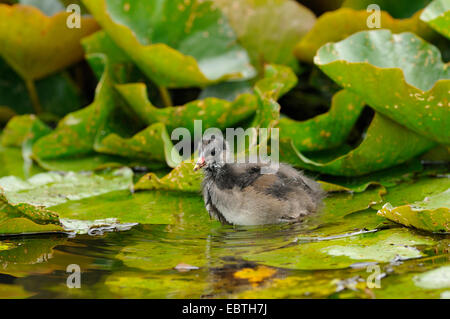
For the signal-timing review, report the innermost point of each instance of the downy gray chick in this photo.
(240, 194)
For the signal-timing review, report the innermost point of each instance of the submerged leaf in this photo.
(399, 75)
(175, 43)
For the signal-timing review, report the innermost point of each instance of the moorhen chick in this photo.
(240, 194)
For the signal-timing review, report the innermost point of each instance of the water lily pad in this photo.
(175, 43)
(49, 189)
(327, 130)
(386, 144)
(336, 25)
(278, 24)
(46, 45)
(387, 178)
(24, 218)
(76, 134)
(150, 145)
(212, 111)
(431, 214)
(408, 71)
(382, 246)
(437, 15)
(156, 208)
(181, 178)
(23, 128)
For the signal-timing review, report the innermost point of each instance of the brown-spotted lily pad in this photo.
(386, 144)
(327, 130)
(399, 75)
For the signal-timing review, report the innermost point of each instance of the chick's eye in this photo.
(213, 152)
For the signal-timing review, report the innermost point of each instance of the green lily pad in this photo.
(181, 178)
(400, 8)
(408, 71)
(156, 208)
(437, 15)
(387, 178)
(49, 189)
(212, 111)
(431, 214)
(76, 134)
(415, 191)
(24, 218)
(386, 144)
(175, 43)
(268, 29)
(382, 246)
(337, 25)
(152, 144)
(47, 44)
(23, 128)
(25, 204)
(327, 130)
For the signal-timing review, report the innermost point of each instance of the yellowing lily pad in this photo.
(336, 25)
(181, 178)
(175, 43)
(36, 45)
(399, 75)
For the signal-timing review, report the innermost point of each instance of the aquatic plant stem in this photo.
(33, 96)
(165, 95)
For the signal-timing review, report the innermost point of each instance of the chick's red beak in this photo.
(200, 163)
